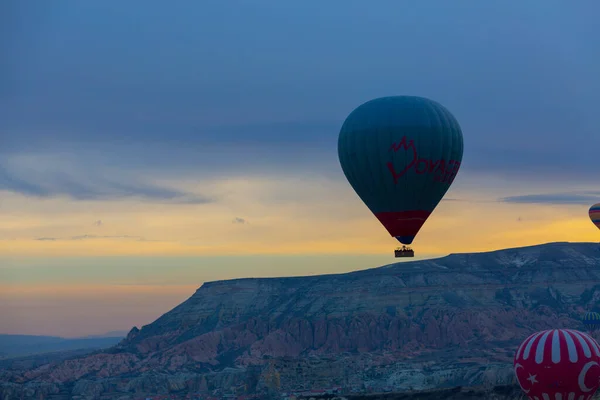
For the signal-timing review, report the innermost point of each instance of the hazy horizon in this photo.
(146, 149)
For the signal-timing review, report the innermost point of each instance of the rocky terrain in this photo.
(447, 322)
(506, 392)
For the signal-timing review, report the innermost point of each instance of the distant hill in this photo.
(26, 345)
(409, 326)
(111, 334)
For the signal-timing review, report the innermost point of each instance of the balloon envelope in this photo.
(594, 214)
(591, 320)
(558, 364)
(401, 154)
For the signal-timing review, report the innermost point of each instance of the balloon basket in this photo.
(404, 251)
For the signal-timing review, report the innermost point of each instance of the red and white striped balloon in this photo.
(558, 364)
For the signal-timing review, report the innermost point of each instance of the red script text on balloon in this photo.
(445, 172)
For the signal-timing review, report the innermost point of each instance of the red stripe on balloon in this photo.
(403, 223)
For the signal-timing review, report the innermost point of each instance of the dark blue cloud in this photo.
(85, 237)
(93, 188)
(585, 198)
(208, 89)
(12, 183)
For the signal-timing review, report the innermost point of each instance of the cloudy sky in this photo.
(148, 147)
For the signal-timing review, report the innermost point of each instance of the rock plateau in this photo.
(440, 323)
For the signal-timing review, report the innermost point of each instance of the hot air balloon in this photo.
(558, 364)
(594, 214)
(591, 320)
(400, 155)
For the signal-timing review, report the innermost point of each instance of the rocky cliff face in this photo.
(452, 321)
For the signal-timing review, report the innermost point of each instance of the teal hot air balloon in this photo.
(401, 154)
(591, 320)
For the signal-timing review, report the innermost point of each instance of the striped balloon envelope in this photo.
(591, 320)
(558, 364)
(595, 214)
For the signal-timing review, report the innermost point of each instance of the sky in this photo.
(146, 148)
